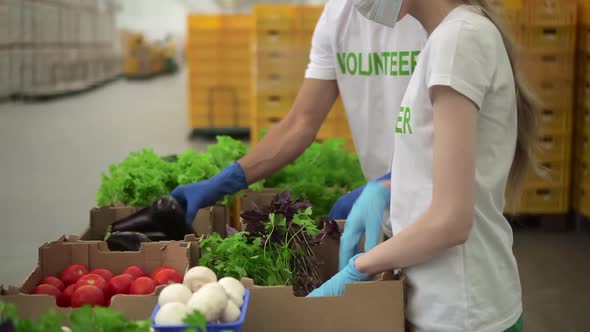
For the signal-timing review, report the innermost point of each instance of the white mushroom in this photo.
(231, 313)
(171, 314)
(174, 293)
(235, 290)
(198, 276)
(210, 300)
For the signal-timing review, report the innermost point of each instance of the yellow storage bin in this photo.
(581, 200)
(308, 17)
(554, 172)
(584, 38)
(197, 39)
(556, 119)
(554, 93)
(581, 170)
(549, 65)
(130, 66)
(554, 146)
(510, 10)
(552, 12)
(275, 17)
(584, 12)
(582, 147)
(204, 22)
(542, 200)
(281, 62)
(274, 105)
(275, 40)
(548, 38)
(276, 83)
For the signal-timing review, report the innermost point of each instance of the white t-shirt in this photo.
(474, 287)
(372, 65)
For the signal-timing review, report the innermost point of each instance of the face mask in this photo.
(384, 12)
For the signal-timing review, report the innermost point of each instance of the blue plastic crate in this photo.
(236, 326)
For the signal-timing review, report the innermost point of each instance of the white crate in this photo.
(68, 25)
(5, 72)
(46, 25)
(87, 26)
(16, 70)
(28, 10)
(10, 22)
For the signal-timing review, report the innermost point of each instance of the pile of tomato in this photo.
(77, 286)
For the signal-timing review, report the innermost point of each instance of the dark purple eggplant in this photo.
(126, 241)
(7, 326)
(164, 216)
(156, 236)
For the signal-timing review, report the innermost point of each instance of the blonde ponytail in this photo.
(527, 105)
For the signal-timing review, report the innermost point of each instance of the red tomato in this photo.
(142, 286)
(135, 272)
(72, 273)
(158, 269)
(51, 280)
(93, 280)
(87, 294)
(104, 273)
(66, 296)
(120, 284)
(47, 290)
(167, 276)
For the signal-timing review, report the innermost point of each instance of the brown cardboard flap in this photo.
(368, 306)
(260, 198)
(135, 307)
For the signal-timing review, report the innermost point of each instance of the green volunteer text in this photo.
(395, 63)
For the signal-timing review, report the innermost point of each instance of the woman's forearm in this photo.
(418, 243)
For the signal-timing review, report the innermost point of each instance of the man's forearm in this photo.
(288, 139)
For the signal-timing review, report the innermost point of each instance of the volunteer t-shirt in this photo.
(372, 64)
(473, 287)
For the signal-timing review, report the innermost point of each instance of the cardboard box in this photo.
(368, 306)
(56, 256)
(207, 221)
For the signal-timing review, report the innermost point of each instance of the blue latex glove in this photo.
(195, 196)
(343, 205)
(335, 286)
(365, 218)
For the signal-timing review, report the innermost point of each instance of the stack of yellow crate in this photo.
(282, 42)
(581, 163)
(219, 61)
(548, 60)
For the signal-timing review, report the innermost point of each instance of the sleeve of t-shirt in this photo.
(462, 56)
(321, 65)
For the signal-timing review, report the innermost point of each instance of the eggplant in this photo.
(156, 236)
(164, 216)
(126, 241)
(7, 326)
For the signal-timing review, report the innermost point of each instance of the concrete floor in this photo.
(52, 154)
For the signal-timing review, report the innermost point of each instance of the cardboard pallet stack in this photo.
(581, 161)
(548, 42)
(56, 46)
(282, 42)
(219, 61)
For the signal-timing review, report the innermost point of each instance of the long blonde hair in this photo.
(527, 104)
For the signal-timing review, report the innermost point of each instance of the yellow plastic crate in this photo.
(130, 66)
(581, 200)
(581, 171)
(551, 172)
(553, 146)
(550, 38)
(275, 17)
(554, 93)
(274, 105)
(584, 12)
(281, 62)
(552, 12)
(582, 147)
(275, 83)
(549, 65)
(275, 40)
(583, 38)
(540, 200)
(511, 11)
(308, 16)
(556, 119)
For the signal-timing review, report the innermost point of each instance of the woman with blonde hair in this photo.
(463, 136)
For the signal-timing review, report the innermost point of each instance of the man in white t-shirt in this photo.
(369, 65)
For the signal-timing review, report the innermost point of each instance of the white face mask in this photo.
(384, 12)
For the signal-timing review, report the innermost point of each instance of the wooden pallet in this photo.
(547, 222)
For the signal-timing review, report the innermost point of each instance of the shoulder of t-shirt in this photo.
(469, 27)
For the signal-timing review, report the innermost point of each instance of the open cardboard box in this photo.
(56, 256)
(369, 306)
(207, 221)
